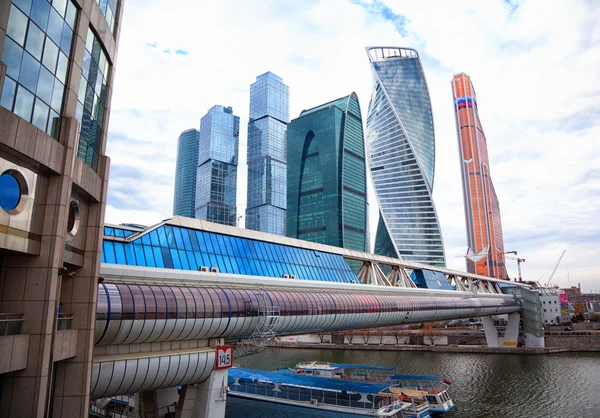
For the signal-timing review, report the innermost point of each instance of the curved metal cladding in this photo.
(482, 209)
(121, 376)
(401, 153)
(130, 313)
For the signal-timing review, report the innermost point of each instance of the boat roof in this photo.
(363, 367)
(415, 377)
(315, 382)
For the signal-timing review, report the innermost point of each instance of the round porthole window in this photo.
(13, 192)
(73, 221)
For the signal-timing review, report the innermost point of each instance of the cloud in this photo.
(537, 87)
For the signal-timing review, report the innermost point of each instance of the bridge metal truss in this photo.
(399, 276)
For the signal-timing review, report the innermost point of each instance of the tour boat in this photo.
(345, 396)
(434, 386)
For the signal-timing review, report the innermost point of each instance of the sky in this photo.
(534, 65)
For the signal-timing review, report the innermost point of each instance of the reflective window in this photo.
(92, 98)
(36, 68)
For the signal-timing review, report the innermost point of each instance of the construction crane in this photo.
(519, 261)
(555, 267)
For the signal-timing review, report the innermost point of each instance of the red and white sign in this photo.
(224, 357)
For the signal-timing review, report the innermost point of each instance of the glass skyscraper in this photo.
(184, 200)
(216, 179)
(327, 184)
(485, 254)
(269, 116)
(401, 149)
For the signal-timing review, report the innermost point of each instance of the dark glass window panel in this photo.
(161, 302)
(158, 257)
(175, 259)
(96, 51)
(178, 239)
(40, 11)
(8, 93)
(215, 243)
(66, 39)
(109, 252)
(154, 238)
(145, 239)
(55, 26)
(185, 265)
(45, 85)
(40, 115)
(24, 5)
(60, 6)
(130, 255)
(207, 242)
(11, 56)
(89, 100)
(186, 239)
(23, 103)
(71, 14)
(50, 56)
(139, 255)
(149, 255)
(120, 253)
(17, 25)
(193, 239)
(57, 96)
(162, 238)
(30, 70)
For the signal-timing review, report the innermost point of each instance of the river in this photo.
(483, 385)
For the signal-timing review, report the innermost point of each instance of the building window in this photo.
(13, 191)
(36, 53)
(109, 10)
(91, 100)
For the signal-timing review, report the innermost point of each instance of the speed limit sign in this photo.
(224, 357)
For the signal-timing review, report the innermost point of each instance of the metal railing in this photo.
(64, 321)
(11, 324)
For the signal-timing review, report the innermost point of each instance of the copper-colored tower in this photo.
(485, 255)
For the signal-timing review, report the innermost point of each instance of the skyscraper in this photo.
(57, 66)
(184, 199)
(485, 254)
(401, 153)
(216, 179)
(267, 190)
(327, 184)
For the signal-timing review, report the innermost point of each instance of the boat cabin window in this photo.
(432, 399)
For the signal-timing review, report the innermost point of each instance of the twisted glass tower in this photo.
(401, 155)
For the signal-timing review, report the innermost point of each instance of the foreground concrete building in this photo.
(56, 76)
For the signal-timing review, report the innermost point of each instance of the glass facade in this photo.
(186, 249)
(91, 99)
(184, 200)
(109, 10)
(327, 175)
(216, 178)
(485, 255)
(267, 162)
(401, 154)
(36, 52)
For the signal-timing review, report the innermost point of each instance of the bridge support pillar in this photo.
(206, 399)
(156, 403)
(511, 334)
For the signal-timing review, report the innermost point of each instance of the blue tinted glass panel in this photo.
(40, 12)
(158, 258)
(11, 56)
(139, 255)
(185, 265)
(149, 256)
(109, 252)
(120, 253)
(30, 70)
(8, 93)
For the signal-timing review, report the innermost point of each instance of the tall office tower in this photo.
(267, 190)
(485, 254)
(327, 179)
(56, 74)
(216, 179)
(401, 150)
(184, 200)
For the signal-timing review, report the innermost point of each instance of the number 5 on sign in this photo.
(224, 357)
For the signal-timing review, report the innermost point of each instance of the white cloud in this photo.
(534, 69)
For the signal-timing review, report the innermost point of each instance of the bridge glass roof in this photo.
(182, 248)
